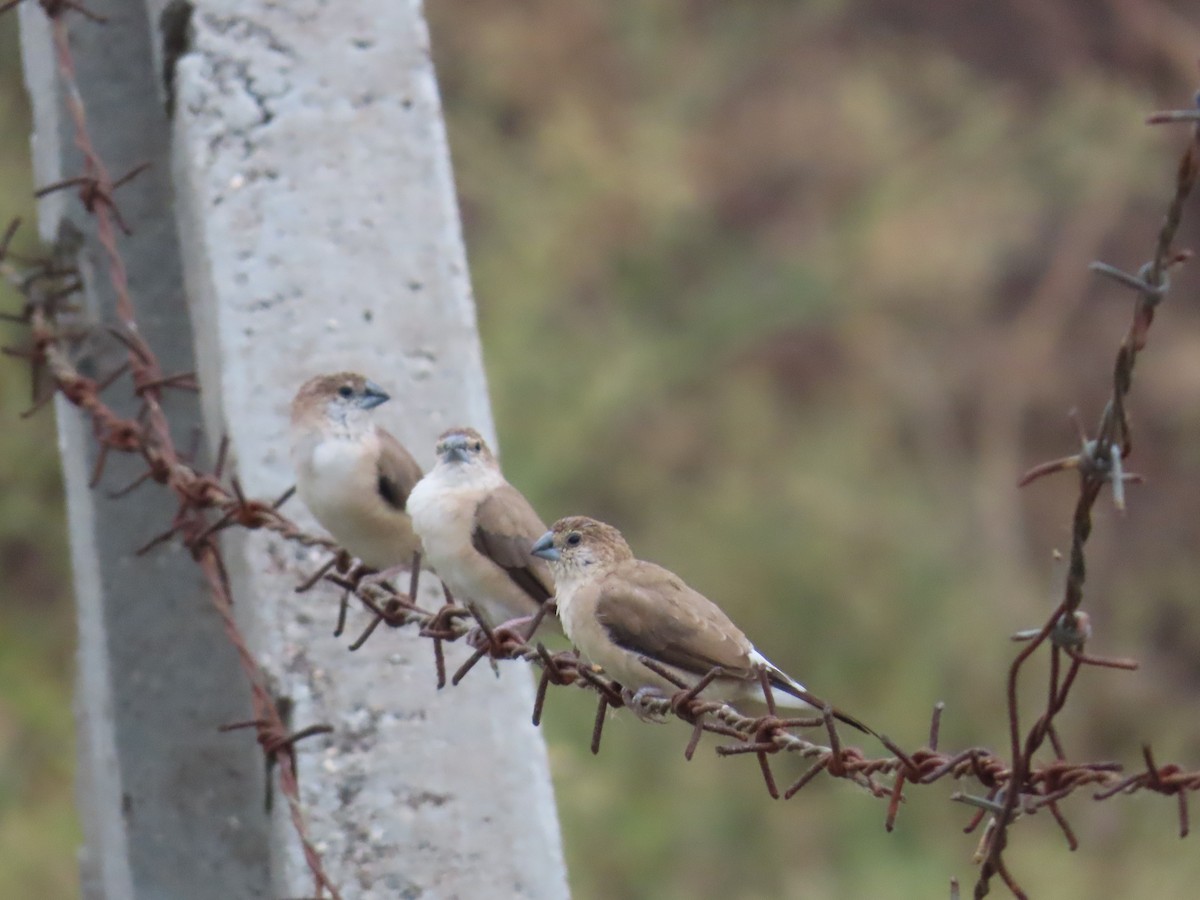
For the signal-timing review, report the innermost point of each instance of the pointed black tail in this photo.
(784, 684)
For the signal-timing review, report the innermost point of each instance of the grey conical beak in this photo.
(373, 395)
(545, 547)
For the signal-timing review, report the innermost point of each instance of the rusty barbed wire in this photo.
(1100, 462)
(148, 434)
(1019, 786)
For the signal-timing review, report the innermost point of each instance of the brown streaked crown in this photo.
(466, 438)
(465, 431)
(604, 541)
(318, 390)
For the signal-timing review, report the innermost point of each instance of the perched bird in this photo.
(353, 475)
(617, 609)
(477, 530)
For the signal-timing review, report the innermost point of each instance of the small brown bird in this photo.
(353, 475)
(477, 530)
(617, 609)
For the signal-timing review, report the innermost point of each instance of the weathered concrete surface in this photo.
(318, 217)
(170, 807)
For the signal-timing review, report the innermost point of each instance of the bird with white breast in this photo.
(355, 477)
(477, 531)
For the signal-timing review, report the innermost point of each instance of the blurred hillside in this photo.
(792, 294)
(38, 831)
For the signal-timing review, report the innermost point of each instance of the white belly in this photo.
(445, 522)
(338, 482)
(571, 614)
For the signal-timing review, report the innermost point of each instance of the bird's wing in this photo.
(650, 611)
(506, 527)
(398, 472)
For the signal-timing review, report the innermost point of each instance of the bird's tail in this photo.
(794, 691)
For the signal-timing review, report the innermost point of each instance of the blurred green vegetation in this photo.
(791, 293)
(39, 835)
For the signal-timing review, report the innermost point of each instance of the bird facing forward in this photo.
(477, 530)
(617, 609)
(354, 476)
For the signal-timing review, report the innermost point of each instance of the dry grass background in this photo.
(792, 293)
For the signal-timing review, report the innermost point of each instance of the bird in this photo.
(618, 610)
(477, 530)
(355, 477)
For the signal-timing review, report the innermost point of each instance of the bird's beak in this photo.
(373, 395)
(545, 547)
(455, 454)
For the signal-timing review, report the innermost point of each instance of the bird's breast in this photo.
(336, 472)
(338, 482)
(443, 519)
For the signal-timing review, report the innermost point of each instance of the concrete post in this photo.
(314, 205)
(320, 232)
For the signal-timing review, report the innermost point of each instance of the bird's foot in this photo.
(478, 639)
(341, 563)
(382, 578)
(648, 703)
(441, 625)
(519, 629)
(498, 642)
(503, 640)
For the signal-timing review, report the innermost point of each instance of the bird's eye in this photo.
(573, 538)
(345, 391)
(477, 446)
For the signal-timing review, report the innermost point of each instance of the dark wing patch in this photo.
(648, 611)
(391, 493)
(398, 472)
(506, 526)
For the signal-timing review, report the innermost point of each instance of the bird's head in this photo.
(341, 397)
(464, 447)
(577, 545)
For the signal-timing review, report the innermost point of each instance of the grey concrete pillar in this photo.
(314, 205)
(320, 232)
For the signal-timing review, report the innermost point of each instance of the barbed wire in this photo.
(208, 505)
(1099, 462)
(46, 287)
